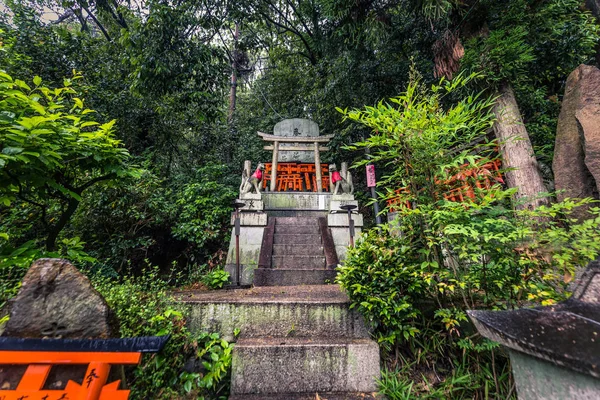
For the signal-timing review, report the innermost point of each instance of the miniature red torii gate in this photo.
(313, 144)
(41, 354)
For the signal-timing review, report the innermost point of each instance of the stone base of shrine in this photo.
(296, 201)
(252, 226)
(253, 221)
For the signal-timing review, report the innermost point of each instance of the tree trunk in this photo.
(517, 153)
(62, 222)
(234, 67)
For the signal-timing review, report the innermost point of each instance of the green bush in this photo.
(190, 366)
(178, 224)
(216, 279)
(414, 279)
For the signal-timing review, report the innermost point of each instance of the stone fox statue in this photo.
(337, 181)
(254, 180)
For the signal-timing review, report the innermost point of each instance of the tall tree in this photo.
(526, 49)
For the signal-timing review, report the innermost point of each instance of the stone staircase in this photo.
(295, 341)
(298, 339)
(299, 251)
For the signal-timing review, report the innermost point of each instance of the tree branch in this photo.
(98, 24)
(299, 17)
(309, 50)
(92, 182)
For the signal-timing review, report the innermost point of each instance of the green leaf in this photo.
(37, 81)
(89, 123)
(12, 150)
(22, 84)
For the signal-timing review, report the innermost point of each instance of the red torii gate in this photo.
(98, 354)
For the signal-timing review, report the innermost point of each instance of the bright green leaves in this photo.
(414, 278)
(423, 143)
(48, 155)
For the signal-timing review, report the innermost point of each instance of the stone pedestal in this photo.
(339, 200)
(252, 226)
(554, 350)
(340, 230)
(253, 202)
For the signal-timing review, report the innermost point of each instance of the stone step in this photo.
(292, 277)
(296, 250)
(299, 365)
(309, 396)
(297, 229)
(295, 311)
(296, 221)
(298, 262)
(297, 239)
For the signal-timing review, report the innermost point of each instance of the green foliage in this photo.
(197, 365)
(203, 208)
(215, 354)
(180, 223)
(52, 151)
(423, 142)
(413, 279)
(535, 45)
(216, 279)
(402, 384)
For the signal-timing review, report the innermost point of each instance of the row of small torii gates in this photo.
(314, 177)
(294, 176)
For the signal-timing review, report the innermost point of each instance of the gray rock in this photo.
(295, 127)
(576, 161)
(58, 301)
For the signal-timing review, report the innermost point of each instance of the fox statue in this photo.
(337, 181)
(252, 181)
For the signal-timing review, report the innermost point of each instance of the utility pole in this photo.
(233, 90)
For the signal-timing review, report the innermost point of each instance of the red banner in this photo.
(371, 181)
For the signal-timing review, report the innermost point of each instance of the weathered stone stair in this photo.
(296, 254)
(298, 336)
(295, 341)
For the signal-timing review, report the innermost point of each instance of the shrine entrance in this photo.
(295, 216)
(296, 177)
(296, 161)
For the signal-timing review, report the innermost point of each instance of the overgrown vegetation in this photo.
(194, 366)
(414, 278)
(148, 177)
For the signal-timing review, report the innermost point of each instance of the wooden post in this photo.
(274, 166)
(318, 168)
(234, 67)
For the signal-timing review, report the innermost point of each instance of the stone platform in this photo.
(294, 341)
(297, 244)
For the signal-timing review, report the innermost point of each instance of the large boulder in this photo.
(576, 161)
(58, 301)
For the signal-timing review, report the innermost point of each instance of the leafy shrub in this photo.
(216, 279)
(52, 152)
(177, 224)
(414, 279)
(215, 354)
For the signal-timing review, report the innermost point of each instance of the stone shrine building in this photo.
(292, 229)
